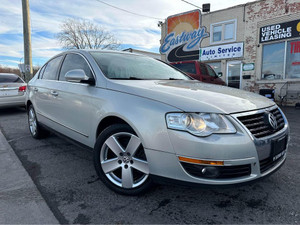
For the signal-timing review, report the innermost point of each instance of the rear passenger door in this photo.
(73, 101)
(44, 92)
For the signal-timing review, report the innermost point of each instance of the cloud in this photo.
(9, 61)
(47, 17)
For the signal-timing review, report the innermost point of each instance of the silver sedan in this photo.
(148, 122)
(12, 90)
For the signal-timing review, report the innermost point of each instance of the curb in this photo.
(20, 200)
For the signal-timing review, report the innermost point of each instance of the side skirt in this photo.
(74, 142)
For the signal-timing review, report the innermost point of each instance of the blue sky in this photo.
(47, 16)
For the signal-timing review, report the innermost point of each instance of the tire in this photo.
(35, 129)
(118, 152)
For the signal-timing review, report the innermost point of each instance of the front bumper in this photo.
(237, 151)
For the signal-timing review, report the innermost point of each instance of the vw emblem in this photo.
(126, 159)
(272, 121)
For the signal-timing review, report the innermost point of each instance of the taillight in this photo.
(22, 88)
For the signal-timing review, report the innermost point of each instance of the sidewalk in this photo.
(20, 200)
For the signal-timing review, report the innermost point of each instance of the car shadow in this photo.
(12, 111)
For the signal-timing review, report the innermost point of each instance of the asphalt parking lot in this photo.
(65, 176)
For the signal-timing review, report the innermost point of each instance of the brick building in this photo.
(255, 45)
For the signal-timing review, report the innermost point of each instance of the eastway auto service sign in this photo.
(183, 38)
(234, 50)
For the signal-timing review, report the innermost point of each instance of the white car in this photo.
(12, 90)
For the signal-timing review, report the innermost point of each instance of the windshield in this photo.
(127, 66)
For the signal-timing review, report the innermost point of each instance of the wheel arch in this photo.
(28, 103)
(108, 121)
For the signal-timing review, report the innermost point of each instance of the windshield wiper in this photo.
(172, 78)
(127, 78)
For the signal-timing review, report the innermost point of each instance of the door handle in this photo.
(54, 93)
(35, 89)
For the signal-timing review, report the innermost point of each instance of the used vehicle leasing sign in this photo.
(279, 31)
(234, 50)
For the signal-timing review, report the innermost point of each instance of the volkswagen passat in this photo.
(147, 121)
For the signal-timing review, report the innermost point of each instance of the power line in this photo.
(191, 4)
(133, 13)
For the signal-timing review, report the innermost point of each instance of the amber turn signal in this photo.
(199, 161)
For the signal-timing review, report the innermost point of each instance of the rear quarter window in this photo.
(42, 72)
(51, 69)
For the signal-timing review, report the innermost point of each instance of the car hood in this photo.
(193, 96)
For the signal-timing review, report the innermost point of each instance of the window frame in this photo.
(262, 60)
(57, 71)
(284, 75)
(40, 75)
(88, 63)
(285, 58)
(223, 23)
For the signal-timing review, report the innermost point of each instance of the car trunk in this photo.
(11, 89)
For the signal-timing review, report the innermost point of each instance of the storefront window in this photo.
(216, 66)
(273, 61)
(293, 59)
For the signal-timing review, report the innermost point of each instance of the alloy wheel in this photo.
(123, 160)
(32, 121)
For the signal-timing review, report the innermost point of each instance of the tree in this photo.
(83, 34)
(15, 70)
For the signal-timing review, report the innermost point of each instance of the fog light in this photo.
(210, 172)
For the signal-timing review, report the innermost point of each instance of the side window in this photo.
(203, 70)
(51, 69)
(72, 62)
(211, 72)
(186, 67)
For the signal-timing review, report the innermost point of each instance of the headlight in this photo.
(200, 124)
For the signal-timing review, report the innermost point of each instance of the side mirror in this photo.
(220, 74)
(78, 76)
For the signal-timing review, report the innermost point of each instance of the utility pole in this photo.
(27, 40)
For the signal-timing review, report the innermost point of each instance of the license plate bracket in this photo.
(4, 93)
(278, 148)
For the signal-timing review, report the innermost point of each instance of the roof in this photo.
(232, 7)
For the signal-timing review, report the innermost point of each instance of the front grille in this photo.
(223, 171)
(257, 125)
(268, 163)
